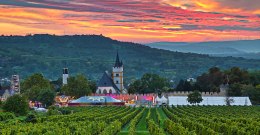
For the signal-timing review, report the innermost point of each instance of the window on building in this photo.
(110, 91)
(105, 91)
(117, 82)
(99, 91)
(117, 75)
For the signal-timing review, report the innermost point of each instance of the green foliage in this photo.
(149, 83)
(194, 97)
(78, 86)
(31, 118)
(109, 120)
(33, 85)
(236, 75)
(235, 89)
(52, 110)
(35, 80)
(112, 129)
(241, 82)
(211, 81)
(6, 116)
(175, 128)
(212, 120)
(184, 86)
(135, 86)
(133, 123)
(46, 97)
(48, 54)
(255, 77)
(252, 92)
(17, 104)
(153, 128)
(93, 86)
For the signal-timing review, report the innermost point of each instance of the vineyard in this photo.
(114, 120)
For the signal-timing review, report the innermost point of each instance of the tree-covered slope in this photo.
(93, 54)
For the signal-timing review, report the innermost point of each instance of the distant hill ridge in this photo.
(93, 54)
(243, 48)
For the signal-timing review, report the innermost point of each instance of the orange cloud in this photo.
(139, 21)
(222, 6)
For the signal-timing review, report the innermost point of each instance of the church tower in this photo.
(117, 74)
(65, 76)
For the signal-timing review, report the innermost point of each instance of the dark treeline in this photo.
(91, 55)
(238, 82)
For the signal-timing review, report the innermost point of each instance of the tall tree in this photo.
(235, 89)
(135, 87)
(254, 77)
(46, 97)
(194, 97)
(187, 86)
(180, 86)
(17, 104)
(211, 81)
(253, 92)
(36, 79)
(77, 86)
(236, 75)
(93, 86)
(33, 85)
(149, 83)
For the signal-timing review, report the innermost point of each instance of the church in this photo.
(112, 83)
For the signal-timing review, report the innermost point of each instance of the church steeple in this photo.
(118, 63)
(117, 74)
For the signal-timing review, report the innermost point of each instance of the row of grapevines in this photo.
(153, 128)
(116, 125)
(221, 125)
(189, 124)
(70, 125)
(176, 128)
(134, 122)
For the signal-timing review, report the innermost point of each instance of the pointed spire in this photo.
(118, 63)
(121, 63)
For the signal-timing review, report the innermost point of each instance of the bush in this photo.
(6, 116)
(16, 104)
(31, 118)
(53, 112)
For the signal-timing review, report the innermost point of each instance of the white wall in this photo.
(209, 100)
(105, 88)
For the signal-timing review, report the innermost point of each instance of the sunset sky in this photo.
(141, 21)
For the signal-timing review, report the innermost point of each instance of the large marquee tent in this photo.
(210, 100)
(95, 100)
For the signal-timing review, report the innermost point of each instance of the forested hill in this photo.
(93, 54)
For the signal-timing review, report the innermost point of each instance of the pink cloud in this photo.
(132, 20)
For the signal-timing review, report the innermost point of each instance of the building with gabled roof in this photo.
(112, 84)
(106, 85)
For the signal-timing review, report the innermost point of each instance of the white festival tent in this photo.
(161, 100)
(210, 100)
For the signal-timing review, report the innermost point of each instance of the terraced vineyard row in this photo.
(112, 120)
